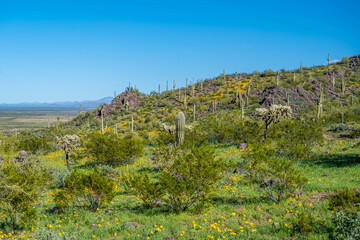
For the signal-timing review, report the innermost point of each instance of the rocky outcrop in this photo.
(127, 97)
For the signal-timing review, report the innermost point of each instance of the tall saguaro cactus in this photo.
(132, 123)
(328, 59)
(319, 110)
(180, 128)
(301, 66)
(343, 86)
(167, 85)
(80, 108)
(102, 122)
(194, 111)
(174, 85)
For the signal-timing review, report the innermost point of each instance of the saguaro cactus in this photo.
(180, 128)
(80, 108)
(328, 59)
(102, 122)
(114, 94)
(194, 113)
(132, 123)
(167, 85)
(319, 110)
(159, 88)
(301, 66)
(174, 85)
(343, 87)
(186, 84)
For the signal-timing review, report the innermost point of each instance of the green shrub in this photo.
(344, 199)
(34, 142)
(21, 183)
(304, 223)
(355, 133)
(347, 226)
(149, 191)
(187, 176)
(91, 190)
(275, 176)
(111, 149)
(295, 138)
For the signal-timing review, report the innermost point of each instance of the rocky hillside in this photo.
(299, 88)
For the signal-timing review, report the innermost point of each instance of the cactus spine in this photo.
(180, 128)
(319, 110)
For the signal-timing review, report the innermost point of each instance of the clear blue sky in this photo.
(54, 50)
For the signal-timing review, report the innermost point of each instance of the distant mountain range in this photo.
(85, 105)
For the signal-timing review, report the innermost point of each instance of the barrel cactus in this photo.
(180, 128)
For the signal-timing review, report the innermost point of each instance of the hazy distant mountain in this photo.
(89, 104)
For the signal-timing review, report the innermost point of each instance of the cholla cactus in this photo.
(169, 128)
(68, 143)
(275, 114)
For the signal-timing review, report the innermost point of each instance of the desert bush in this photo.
(187, 175)
(34, 142)
(355, 133)
(304, 223)
(273, 175)
(228, 127)
(149, 191)
(8, 144)
(111, 149)
(344, 199)
(21, 183)
(347, 226)
(295, 138)
(91, 190)
(340, 128)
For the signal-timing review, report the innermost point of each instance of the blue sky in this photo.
(79, 50)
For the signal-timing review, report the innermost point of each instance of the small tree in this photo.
(20, 185)
(86, 189)
(276, 176)
(68, 143)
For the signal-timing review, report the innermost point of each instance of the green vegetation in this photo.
(266, 155)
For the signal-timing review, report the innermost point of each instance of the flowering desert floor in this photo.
(237, 210)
